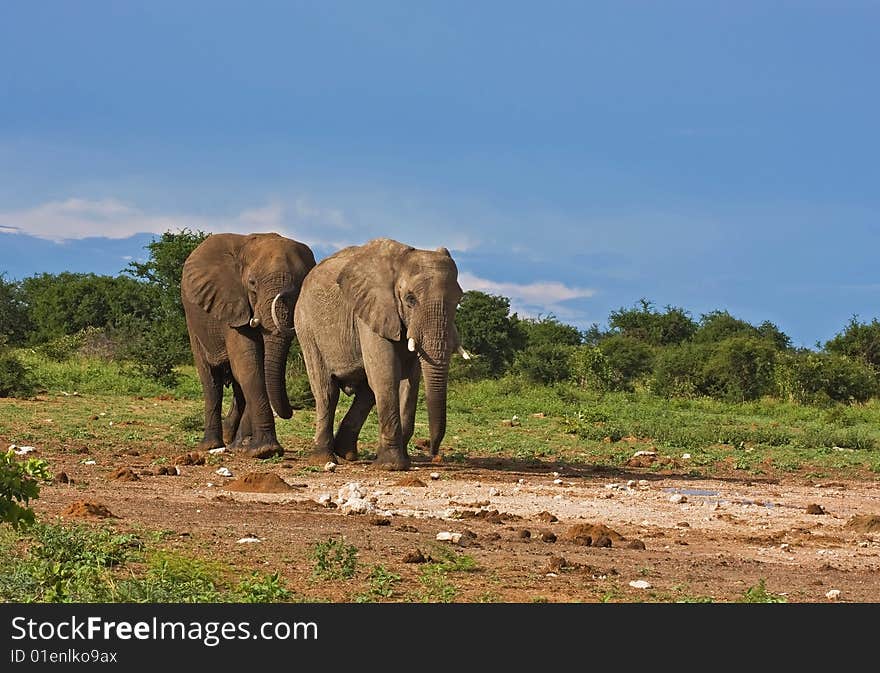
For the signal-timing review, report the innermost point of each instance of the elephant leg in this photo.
(409, 396)
(345, 442)
(326, 393)
(234, 416)
(246, 360)
(383, 376)
(212, 389)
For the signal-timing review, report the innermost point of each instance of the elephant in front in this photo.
(238, 293)
(371, 321)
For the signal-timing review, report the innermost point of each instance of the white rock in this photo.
(446, 536)
(324, 500)
(685, 456)
(631, 483)
(248, 539)
(329, 466)
(833, 595)
(351, 490)
(558, 497)
(612, 486)
(551, 575)
(643, 482)
(640, 584)
(494, 491)
(434, 475)
(88, 462)
(210, 484)
(177, 470)
(556, 474)
(520, 481)
(22, 450)
(557, 481)
(678, 498)
(221, 449)
(644, 453)
(224, 472)
(357, 506)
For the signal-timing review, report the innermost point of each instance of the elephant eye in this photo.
(252, 283)
(410, 299)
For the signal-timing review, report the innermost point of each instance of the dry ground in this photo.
(536, 531)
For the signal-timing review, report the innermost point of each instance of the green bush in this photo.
(543, 363)
(17, 379)
(19, 483)
(740, 368)
(628, 358)
(858, 340)
(154, 347)
(590, 369)
(678, 371)
(824, 378)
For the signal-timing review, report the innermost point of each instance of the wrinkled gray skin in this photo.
(356, 313)
(228, 287)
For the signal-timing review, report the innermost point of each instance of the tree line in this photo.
(137, 317)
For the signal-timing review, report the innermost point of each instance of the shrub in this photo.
(16, 378)
(822, 378)
(590, 369)
(544, 363)
(628, 358)
(858, 340)
(154, 347)
(740, 368)
(19, 483)
(678, 371)
(486, 329)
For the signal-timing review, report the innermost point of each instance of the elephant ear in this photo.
(367, 280)
(216, 287)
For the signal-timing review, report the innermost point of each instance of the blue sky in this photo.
(574, 156)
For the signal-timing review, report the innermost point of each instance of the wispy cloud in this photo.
(531, 299)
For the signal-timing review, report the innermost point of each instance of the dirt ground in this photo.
(536, 531)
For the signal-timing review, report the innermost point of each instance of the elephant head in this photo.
(252, 283)
(410, 296)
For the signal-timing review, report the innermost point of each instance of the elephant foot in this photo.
(320, 457)
(264, 451)
(210, 443)
(392, 460)
(348, 453)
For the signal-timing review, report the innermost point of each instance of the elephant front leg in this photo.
(245, 358)
(383, 376)
(346, 439)
(234, 416)
(409, 396)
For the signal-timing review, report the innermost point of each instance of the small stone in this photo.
(524, 534)
(631, 483)
(248, 539)
(640, 584)
(816, 509)
(446, 536)
(434, 475)
(414, 556)
(329, 466)
(677, 499)
(548, 536)
(833, 595)
(685, 456)
(221, 449)
(558, 482)
(558, 497)
(357, 506)
(638, 454)
(494, 491)
(520, 482)
(223, 472)
(88, 462)
(635, 544)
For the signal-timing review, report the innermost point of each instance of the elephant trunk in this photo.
(276, 347)
(435, 376)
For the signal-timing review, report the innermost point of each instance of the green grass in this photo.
(52, 563)
(334, 559)
(759, 594)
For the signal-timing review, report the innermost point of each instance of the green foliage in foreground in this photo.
(19, 484)
(52, 563)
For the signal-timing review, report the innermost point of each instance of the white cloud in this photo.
(530, 299)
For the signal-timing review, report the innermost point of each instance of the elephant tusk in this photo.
(254, 322)
(464, 353)
(411, 345)
(274, 315)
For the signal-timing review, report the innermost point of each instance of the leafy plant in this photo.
(19, 484)
(334, 559)
(382, 584)
(758, 593)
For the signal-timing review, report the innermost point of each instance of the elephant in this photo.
(238, 293)
(371, 321)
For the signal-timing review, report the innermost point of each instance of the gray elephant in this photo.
(371, 320)
(238, 294)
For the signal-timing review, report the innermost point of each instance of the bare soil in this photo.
(536, 531)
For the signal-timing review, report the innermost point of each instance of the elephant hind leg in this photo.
(346, 439)
(326, 392)
(234, 417)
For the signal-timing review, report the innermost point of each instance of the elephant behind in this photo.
(371, 321)
(238, 293)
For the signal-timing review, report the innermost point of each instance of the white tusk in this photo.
(274, 315)
(464, 353)
(254, 322)
(411, 345)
